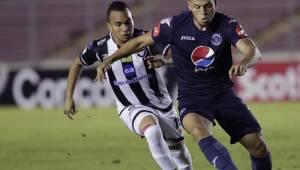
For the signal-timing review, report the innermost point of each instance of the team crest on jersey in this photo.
(216, 39)
(240, 31)
(129, 70)
(202, 57)
(142, 53)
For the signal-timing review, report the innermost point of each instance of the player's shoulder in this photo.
(223, 18)
(96, 45)
(101, 41)
(222, 22)
(183, 18)
(173, 22)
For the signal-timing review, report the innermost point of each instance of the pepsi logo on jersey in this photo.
(203, 56)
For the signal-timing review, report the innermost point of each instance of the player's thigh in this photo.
(137, 117)
(196, 114)
(197, 125)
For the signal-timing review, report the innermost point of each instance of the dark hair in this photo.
(116, 6)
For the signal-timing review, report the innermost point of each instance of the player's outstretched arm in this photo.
(251, 56)
(74, 72)
(127, 49)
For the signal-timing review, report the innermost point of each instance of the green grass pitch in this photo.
(98, 140)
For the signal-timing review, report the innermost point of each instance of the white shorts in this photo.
(168, 121)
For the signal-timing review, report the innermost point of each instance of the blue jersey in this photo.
(201, 58)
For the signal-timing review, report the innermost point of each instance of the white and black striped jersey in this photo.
(130, 78)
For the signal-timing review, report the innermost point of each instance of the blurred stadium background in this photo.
(39, 39)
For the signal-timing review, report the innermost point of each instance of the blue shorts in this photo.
(224, 107)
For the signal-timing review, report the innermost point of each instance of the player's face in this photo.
(121, 26)
(203, 11)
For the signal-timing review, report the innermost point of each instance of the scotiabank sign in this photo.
(274, 81)
(30, 88)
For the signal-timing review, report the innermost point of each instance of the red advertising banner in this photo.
(270, 81)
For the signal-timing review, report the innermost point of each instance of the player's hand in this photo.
(155, 61)
(70, 108)
(237, 70)
(101, 69)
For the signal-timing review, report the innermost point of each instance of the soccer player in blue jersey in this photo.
(200, 41)
(142, 99)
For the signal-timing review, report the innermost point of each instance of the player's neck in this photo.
(117, 42)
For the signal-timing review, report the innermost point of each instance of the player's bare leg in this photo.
(150, 128)
(260, 155)
(200, 128)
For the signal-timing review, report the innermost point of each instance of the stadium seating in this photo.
(30, 31)
(287, 41)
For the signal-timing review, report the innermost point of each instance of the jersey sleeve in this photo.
(89, 54)
(162, 32)
(235, 32)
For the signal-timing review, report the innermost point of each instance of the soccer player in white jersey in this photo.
(143, 102)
